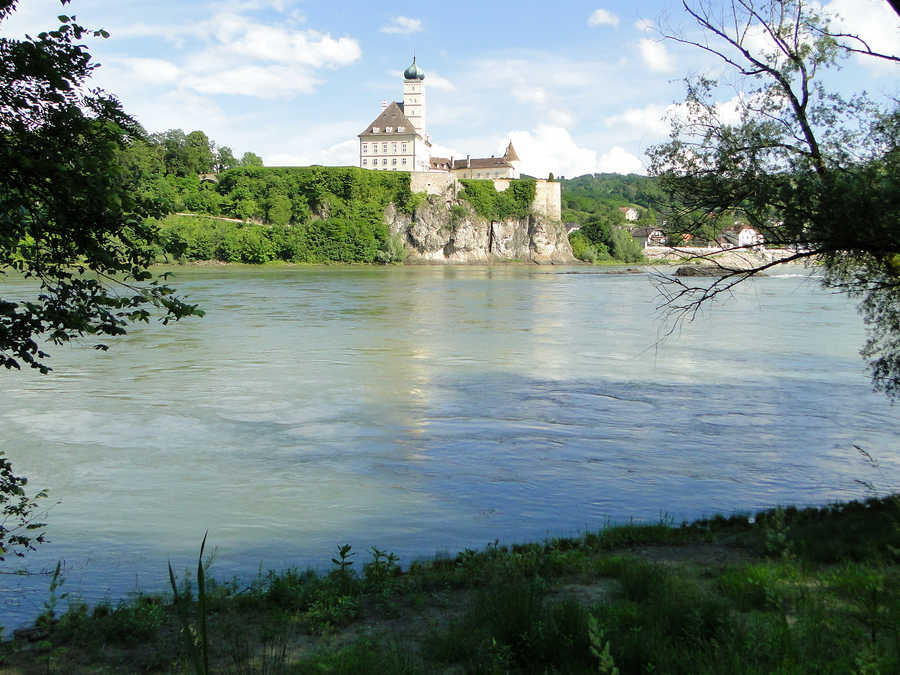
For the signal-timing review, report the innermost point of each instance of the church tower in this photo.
(414, 97)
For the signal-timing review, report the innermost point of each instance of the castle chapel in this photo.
(396, 140)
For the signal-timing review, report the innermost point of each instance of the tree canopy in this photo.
(72, 215)
(813, 170)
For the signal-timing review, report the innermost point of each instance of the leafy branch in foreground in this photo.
(18, 527)
(813, 171)
(70, 216)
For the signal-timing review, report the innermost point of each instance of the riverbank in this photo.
(787, 590)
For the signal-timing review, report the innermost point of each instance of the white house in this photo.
(740, 236)
(631, 214)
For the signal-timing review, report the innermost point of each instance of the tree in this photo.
(201, 158)
(71, 217)
(17, 515)
(251, 159)
(812, 170)
(225, 159)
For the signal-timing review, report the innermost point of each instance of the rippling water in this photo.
(430, 408)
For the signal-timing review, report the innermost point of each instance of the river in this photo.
(429, 409)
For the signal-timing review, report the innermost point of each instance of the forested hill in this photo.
(597, 194)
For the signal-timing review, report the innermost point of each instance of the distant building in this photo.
(740, 236)
(631, 214)
(397, 140)
(649, 236)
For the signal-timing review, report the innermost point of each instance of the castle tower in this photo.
(414, 97)
(513, 159)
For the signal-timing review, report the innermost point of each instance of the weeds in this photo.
(583, 604)
(196, 637)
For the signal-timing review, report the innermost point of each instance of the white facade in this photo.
(396, 140)
(414, 104)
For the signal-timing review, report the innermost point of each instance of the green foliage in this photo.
(392, 250)
(72, 211)
(603, 237)
(586, 250)
(18, 527)
(811, 169)
(194, 633)
(251, 159)
(566, 605)
(350, 203)
(602, 194)
(514, 202)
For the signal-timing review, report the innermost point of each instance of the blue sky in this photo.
(579, 87)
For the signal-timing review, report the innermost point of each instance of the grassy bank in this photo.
(790, 591)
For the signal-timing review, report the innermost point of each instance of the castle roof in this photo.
(414, 72)
(482, 163)
(510, 154)
(391, 117)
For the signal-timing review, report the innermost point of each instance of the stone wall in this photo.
(436, 183)
(547, 197)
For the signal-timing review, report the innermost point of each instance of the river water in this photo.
(428, 409)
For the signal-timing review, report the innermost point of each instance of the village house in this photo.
(740, 236)
(631, 214)
(649, 236)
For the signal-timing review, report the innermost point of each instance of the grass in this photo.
(786, 590)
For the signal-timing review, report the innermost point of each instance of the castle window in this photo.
(403, 147)
(402, 162)
(401, 129)
(374, 130)
(388, 130)
(365, 147)
(364, 161)
(384, 147)
(394, 161)
(393, 147)
(384, 162)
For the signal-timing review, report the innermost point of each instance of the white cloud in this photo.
(601, 17)
(560, 118)
(655, 120)
(238, 37)
(179, 110)
(552, 149)
(435, 81)
(650, 119)
(262, 81)
(527, 94)
(619, 160)
(246, 57)
(402, 25)
(644, 25)
(872, 20)
(147, 71)
(656, 56)
(344, 153)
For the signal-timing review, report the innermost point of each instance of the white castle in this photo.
(396, 140)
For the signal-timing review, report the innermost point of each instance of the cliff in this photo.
(443, 229)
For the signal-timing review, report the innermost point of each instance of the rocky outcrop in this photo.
(444, 230)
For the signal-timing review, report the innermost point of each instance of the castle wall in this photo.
(433, 182)
(548, 199)
(547, 194)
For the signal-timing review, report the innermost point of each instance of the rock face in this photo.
(444, 230)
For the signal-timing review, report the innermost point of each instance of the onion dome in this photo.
(414, 72)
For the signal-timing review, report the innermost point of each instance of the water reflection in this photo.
(430, 408)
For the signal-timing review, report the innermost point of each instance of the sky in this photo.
(578, 86)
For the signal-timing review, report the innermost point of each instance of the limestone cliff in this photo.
(444, 230)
